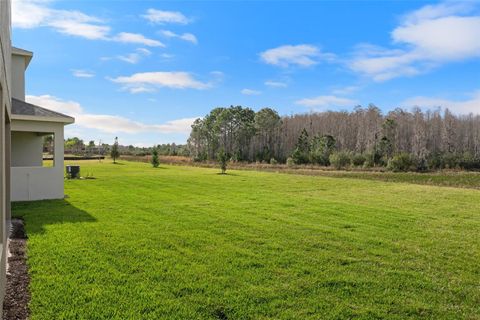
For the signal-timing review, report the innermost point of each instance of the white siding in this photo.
(27, 149)
(18, 77)
(5, 108)
(35, 182)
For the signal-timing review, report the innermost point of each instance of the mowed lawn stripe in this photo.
(187, 243)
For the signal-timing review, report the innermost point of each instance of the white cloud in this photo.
(55, 104)
(28, 14)
(471, 105)
(162, 17)
(136, 56)
(144, 51)
(140, 89)
(83, 73)
(78, 28)
(185, 36)
(149, 81)
(132, 58)
(108, 123)
(345, 90)
(303, 55)
(127, 37)
(218, 74)
(250, 92)
(118, 124)
(275, 84)
(189, 37)
(443, 38)
(326, 101)
(426, 38)
(437, 11)
(167, 56)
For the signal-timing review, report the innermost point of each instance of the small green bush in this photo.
(435, 161)
(358, 160)
(339, 160)
(401, 162)
(451, 161)
(469, 162)
(155, 161)
(290, 162)
(273, 161)
(421, 165)
(222, 158)
(300, 157)
(369, 161)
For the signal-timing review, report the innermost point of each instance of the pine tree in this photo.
(155, 161)
(114, 153)
(302, 149)
(222, 158)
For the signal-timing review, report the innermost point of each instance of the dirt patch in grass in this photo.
(17, 295)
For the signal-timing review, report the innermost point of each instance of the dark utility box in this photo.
(73, 171)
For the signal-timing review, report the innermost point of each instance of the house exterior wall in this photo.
(27, 149)
(37, 182)
(18, 77)
(5, 113)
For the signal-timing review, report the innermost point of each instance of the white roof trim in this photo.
(28, 55)
(66, 120)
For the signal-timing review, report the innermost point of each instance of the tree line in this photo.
(77, 146)
(399, 139)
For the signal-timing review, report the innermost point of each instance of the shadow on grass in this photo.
(227, 174)
(38, 214)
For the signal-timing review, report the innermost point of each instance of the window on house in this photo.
(33, 149)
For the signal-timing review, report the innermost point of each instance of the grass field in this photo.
(187, 243)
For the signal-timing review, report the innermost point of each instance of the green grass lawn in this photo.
(188, 243)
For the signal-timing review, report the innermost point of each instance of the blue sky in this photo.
(143, 70)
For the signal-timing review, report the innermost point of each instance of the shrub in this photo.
(450, 160)
(290, 162)
(300, 157)
(264, 155)
(369, 162)
(114, 153)
(155, 161)
(339, 160)
(302, 149)
(401, 162)
(435, 161)
(273, 161)
(319, 158)
(222, 158)
(321, 147)
(468, 162)
(422, 165)
(358, 160)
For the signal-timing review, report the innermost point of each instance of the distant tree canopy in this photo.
(241, 133)
(433, 139)
(74, 145)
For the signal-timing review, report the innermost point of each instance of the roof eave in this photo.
(28, 55)
(64, 120)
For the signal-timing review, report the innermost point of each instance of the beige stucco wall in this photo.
(35, 182)
(5, 108)
(18, 77)
(27, 149)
